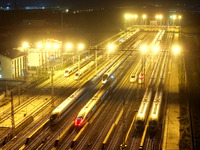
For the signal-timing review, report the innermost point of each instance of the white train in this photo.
(85, 69)
(59, 112)
(143, 111)
(74, 67)
(88, 110)
(154, 115)
(135, 72)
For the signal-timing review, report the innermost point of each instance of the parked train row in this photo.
(85, 69)
(143, 110)
(154, 115)
(74, 67)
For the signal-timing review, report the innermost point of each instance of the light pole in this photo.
(144, 19)
(80, 48)
(39, 46)
(174, 18)
(111, 48)
(47, 53)
(143, 52)
(68, 48)
(25, 45)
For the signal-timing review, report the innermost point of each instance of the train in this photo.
(88, 110)
(74, 67)
(154, 115)
(59, 112)
(85, 69)
(144, 108)
(135, 72)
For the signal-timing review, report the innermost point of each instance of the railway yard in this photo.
(132, 98)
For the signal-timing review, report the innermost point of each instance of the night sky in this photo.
(88, 3)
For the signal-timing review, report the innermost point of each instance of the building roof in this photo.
(12, 53)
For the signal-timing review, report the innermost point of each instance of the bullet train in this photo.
(85, 69)
(59, 112)
(135, 72)
(74, 67)
(154, 115)
(88, 110)
(143, 111)
(144, 108)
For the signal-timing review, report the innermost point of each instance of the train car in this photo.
(85, 69)
(154, 115)
(142, 114)
(59, 112)
(88, 110)
(135, 73)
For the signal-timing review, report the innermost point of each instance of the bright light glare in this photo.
(68, 46)
(144, 16)
(156, 49)
(127, 16)
(25, 45)
(48, 45)
(143, 49)
(174, 16)
(80, 47)
(179, 17)
(136, 16)
(176, 50)
(39, 45)
(111, 47)
(56, 46)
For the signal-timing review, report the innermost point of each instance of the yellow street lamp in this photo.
(39, 45)
(56, 46)
(179, 17)
(80, 46)
(174, 17)
(144, 16)
(143, 49)
(156, 49)
(136, 16)
(25, 45)
(48, 45)
(176, 49)
(68, 46)
(111, 47)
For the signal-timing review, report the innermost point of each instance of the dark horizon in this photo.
(93, 3)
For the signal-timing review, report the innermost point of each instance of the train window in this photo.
(53, 117)
(105, 77)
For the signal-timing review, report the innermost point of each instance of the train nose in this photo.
(78, 122)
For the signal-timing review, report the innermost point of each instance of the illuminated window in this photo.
(13, 69)
(0, 76)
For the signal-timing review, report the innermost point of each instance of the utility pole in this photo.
(96, 61)
(52, 89)
(123, 145)
(19, 94)
(12, 111)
